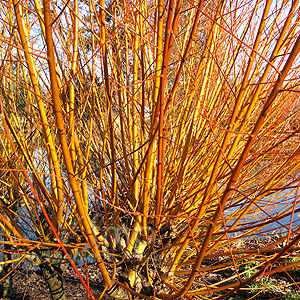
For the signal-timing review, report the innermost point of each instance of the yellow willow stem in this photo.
(211, 183)
(186, 51)
(122, 100)
(8, 213)
(145, 73)
(3, 221)
(237, 106)
(39, 12)
(135, 158)
(72, 83)
(136, 102)
(146, 100)
(181, 167)
(239, 99)
(196, 112)
(170, 31)
(64, 145)
(208, 68)
(47, 133)
(162, 175)
(82, 170)
(93, 94)
(7, 225)
(149, 168)
(123, 103)
(29, 95)
(273, 181)
(24, 149)
(112, 142)
(197, 124)
(158, 58)
(186, 108)
(280, 44)
(10, 224)
(236, 172)
(248, 109)
(33, 191)
(40, 15)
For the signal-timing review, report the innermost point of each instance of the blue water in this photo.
(275, 211)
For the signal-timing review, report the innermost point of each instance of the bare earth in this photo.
(29, 285)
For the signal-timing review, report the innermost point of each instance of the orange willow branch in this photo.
(236, 173)
(47, 133)
(64, 144)
(186, 52)
(45, 212)
(160, 104)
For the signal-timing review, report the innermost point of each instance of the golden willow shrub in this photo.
(157, 137)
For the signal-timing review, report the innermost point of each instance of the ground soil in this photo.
(28, 284)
